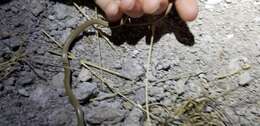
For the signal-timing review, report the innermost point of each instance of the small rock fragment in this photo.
(57, 80)
(139, 97)
(60, 117)
(37, 7)
(180, 86)
(25, 80)
(245, 78)
(163, 65)
(23, 92)
(84, 75)
(134, 118)
(133, 69)
(155, 91)
(10, 81)
(41, 95)
(85, 90)
(105, 113)
(63, 11)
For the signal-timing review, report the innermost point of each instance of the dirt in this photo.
(218, 53)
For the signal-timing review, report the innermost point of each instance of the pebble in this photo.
(10, 81)
(245, 78)
(163, 65)
(105, 113)
(41, 95)
(60, 117)
(51, 17)
(134, 118)
(57, 80)
(62, 11)
(132, 69)
(84, 75)
(13, 43)
(85, 90)
(155, 91)
(23, 92)
(25, 80)
(180, 86)
(139, 97)
(36, 7)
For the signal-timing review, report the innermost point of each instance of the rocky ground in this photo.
(216, 55)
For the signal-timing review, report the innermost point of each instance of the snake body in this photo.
(67, 72)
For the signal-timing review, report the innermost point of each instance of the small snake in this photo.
(67, 72)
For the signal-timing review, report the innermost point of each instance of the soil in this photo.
(218, 53)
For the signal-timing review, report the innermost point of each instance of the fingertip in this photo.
(150, 6)
(136, 11)
(163, 6)
(113, 12)
(187, 9)
(126, 5)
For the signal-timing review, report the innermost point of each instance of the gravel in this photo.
(221, 41)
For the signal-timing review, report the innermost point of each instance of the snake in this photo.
(67, 71)
(66, 64)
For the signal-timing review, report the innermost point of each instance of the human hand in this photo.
(114, 9)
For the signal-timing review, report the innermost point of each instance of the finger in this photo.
(135, 11)
(127, 5)
(163, 6)
(103, 4)
(187, 9)
(111, 9)
(150, 6)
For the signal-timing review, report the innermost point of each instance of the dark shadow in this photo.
(5, 1)
(132, 34)
(171, 24)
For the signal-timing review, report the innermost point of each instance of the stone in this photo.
(25, 80)
(139, 97)
(62, 11)
(180, 86)
(85, 90)
(13, 43)
(245, 78)
(163, 65)
(132, 69)
(60, 117)
(57, 80)
(41, 95)
(23, 92)
(151, 77)
(37, 7)
(156, 91)
(135, 53)
(51, 17)
(10, 81)
(105, 113)
(134, 118)
(84, 75)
